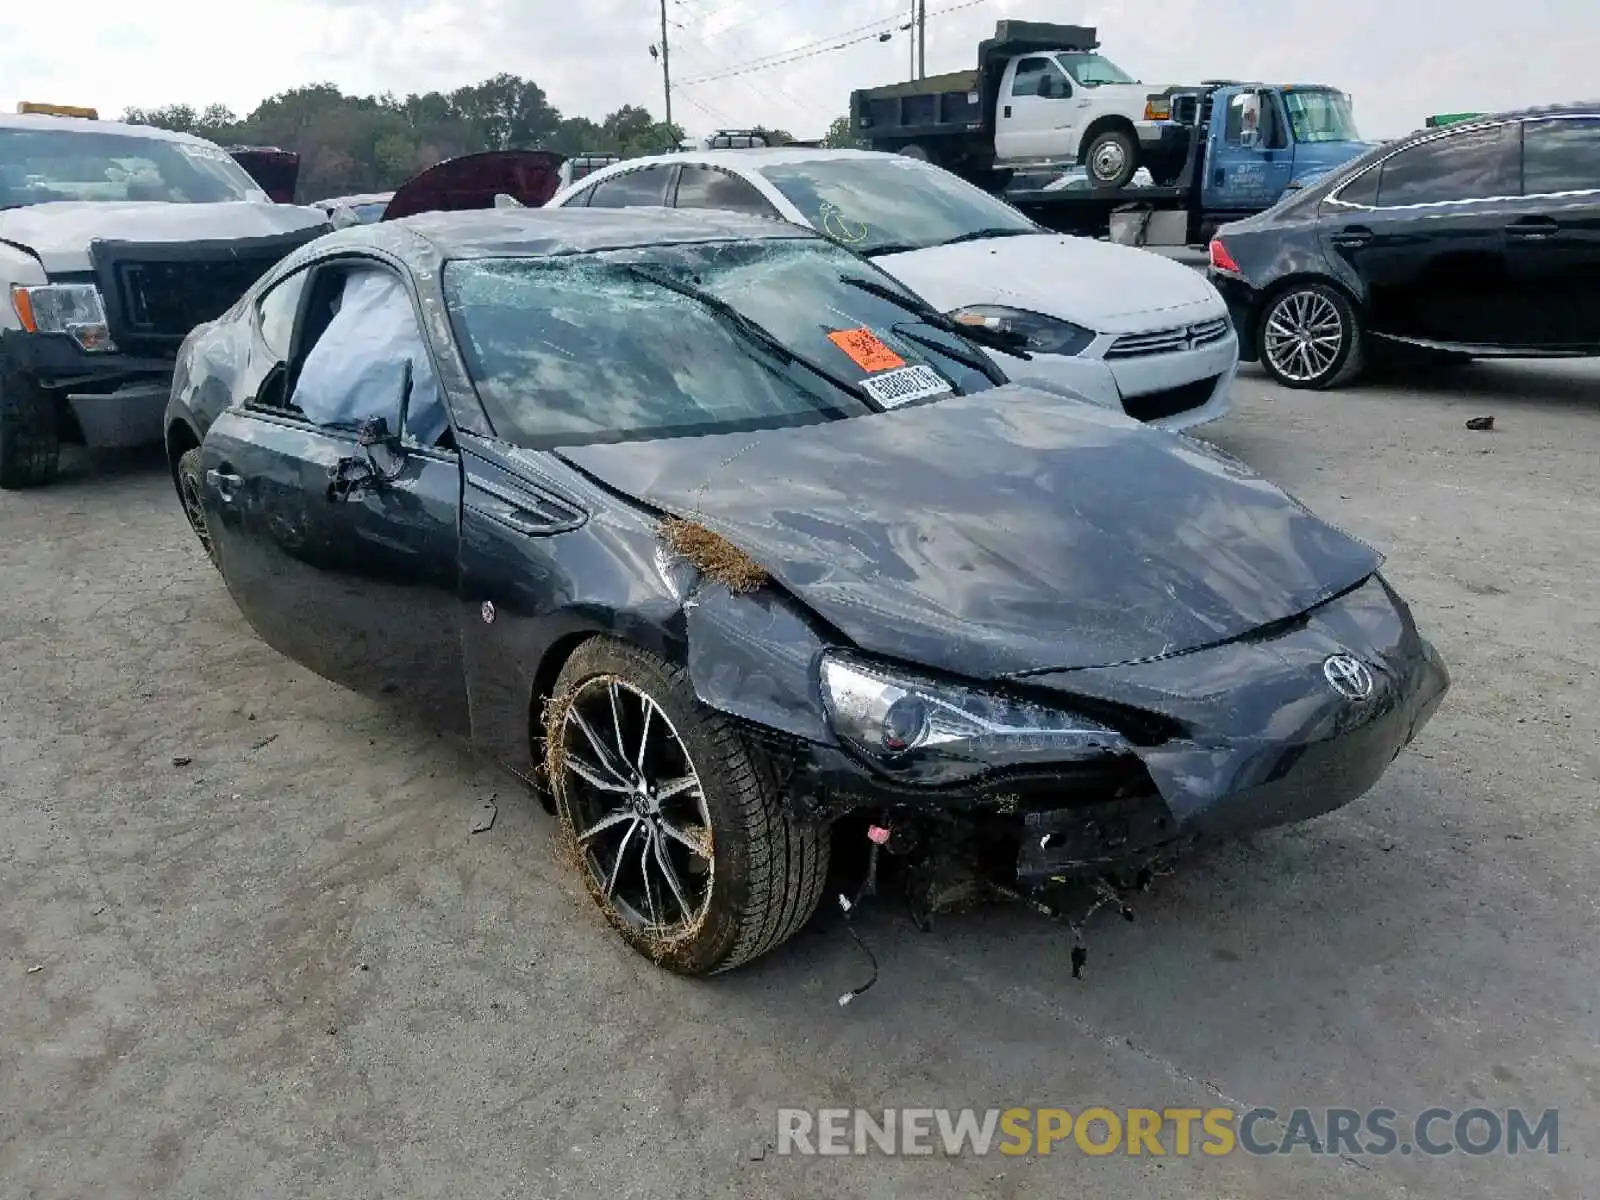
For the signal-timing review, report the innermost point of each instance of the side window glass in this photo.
(707, 187)
(1560, 156)
(646, 186)
(1274, 126)
(276, 311)
(1362, 190)
(1475, 164)
(580, 199)
(365, 332)
(1233, 124)
(1029, 72)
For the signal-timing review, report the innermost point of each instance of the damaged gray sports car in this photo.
(729, 543)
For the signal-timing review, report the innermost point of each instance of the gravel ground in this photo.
(288, 968)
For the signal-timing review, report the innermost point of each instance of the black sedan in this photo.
(1481, 239)
(719, 536)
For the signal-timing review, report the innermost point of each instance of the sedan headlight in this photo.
(933, 732)
(1034, 331)
(74, 309)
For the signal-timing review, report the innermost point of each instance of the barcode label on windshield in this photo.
(905, 385)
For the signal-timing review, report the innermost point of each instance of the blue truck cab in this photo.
(1266, 139)
(1243, 145)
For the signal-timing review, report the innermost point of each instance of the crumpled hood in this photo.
(59, 234)
(1001, 532)
(1097, 284)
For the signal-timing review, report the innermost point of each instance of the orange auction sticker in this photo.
(866, 349)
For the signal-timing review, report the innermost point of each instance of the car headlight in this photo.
(74, 309)
(933, 732)
(1034, 331)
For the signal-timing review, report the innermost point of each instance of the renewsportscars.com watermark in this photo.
(1165, 1132)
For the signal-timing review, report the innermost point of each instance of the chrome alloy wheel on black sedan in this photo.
(675, 823)
(1310, 337)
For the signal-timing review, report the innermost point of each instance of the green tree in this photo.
(512, 113)
(841, 135)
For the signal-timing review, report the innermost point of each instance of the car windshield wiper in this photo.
(979, 235)
(977, 334)
(890, 248)
(746, 327)
(985, 368)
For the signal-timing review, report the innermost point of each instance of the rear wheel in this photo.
(675, 824)
(1310, 337)
(30, 441)
(1112, 158)
(189, 477)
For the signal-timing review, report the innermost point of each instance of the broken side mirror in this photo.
(383, 454)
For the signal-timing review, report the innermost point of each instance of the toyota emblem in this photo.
(1348, 676)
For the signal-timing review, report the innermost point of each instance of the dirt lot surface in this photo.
(287, 967)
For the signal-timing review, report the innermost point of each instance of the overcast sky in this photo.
(1399, 59)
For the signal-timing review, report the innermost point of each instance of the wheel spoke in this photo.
(700, 847)
(591, 776)
(670, 874)
(605, 823)
(644, 870)
(675, 787)
(644, 733)
(616, 722)
(600, 750)
(622, 853)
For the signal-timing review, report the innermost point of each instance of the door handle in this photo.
(1007, 112)
(223, 482)
(1352, 239)
(1532, 229)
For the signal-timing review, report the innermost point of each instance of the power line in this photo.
(712, 55)
(822, 46)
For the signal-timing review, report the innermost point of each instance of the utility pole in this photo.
(922, 39)
(911, 42)
(666, 71)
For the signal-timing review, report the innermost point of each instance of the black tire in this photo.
(30, 440)
(1112, 158)
(190, 491)
(1293, 336)
(920, 153)
(766, 867)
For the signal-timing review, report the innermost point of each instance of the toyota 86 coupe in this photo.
(727, 543)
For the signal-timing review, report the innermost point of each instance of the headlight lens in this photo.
(74, 309)
(936, 732)
(1036, 332)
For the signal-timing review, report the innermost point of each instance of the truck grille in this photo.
(171, 298)
(1168, 341)
(1169, 402)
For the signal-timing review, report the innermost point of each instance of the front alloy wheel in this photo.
(1310, 337)
(189, 476)
(677, 827)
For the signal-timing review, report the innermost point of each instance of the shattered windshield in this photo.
(1321, 116)
(588, 348)
(889, 204)
(38, 166)
(1092, 70)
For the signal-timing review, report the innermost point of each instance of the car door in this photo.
(1037, 118)
(1423, 233)
(359, 582)
(1252, 158)
(1553, 234)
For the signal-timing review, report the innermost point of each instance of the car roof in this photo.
(755, 156)
(43, 121)
(358, 198)
(541, 232)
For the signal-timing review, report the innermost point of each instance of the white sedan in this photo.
(1119, 326)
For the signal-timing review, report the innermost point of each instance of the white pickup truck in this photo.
(1042, 95)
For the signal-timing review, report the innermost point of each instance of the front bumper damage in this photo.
(1266, 741)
